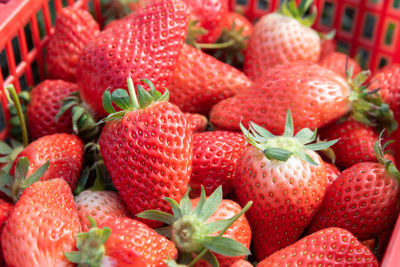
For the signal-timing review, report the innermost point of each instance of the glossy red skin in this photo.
(209, 13)
(200, 81)
(278, 39)
(332, 173)
(100, 205)
(44, 222)
(197, 122)
(46, 100)
(146, 47)
(336, 62)
(329, 247)
(356, 142)
(149, 156)
(73, 30)
(5, 210)
(215, 155)
(64, 153)
(239, 230)
(363, 200)
(285, 197)
(242, 263)
(327, 47)
(133, 243)
(315, 96)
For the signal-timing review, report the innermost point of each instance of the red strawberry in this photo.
(242, 263)
(285, 179)
(329, 247)
(356, 142)
(201, 81)
(328, 46)
(73, 30)
(100, 205)
(64, 152)
(332, 173)
(363, 200)
(280, 38)
(337, 61)
(42, 226)
(147, 148)
(197, 122)
(127, 243)
(215, 155)
(213, 227)
(208, 14)
(146, 47)
(44, 106)
(5, 210)
(315, 95)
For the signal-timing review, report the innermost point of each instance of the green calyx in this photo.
(289, 9)
(130, 101)
(281, 148)
(195, 31)
(192, 234)
(9, 153)
(13, 187)
(367, 106)
(380, 152)
(90, 246)
(83, 122)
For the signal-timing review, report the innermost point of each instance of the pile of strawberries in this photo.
(183, 135)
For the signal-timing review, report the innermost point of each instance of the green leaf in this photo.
(73, 256)
(185, 204)
(76, 114)
(211, 259)
(164, 97)
(151, 85)
(176, 210)
(113, 116)
(22, 168)
(211, 204)
(37, 174)
(321, 145)
(145, 99)
(277, 153)
(213, 227)
(80, 187)
(165, 231)
(107, 104)
(65, 106)
(289, 125)
(200, 204)
(4, 159)
(305, 135)
(224, 246)
(291, 5)
(305, 157)
(157, 215)
(5, 149)
(121, 98)
(304, 5)
(262, 131)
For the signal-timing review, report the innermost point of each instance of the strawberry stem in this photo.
(132, 93)
(15, 100)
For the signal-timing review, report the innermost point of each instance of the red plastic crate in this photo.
(17, 15)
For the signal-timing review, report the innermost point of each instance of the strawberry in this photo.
(197, 122)
(64, 152)
(242, 263)
(73, 30)
(339, 63)
(215, 155)
(122, 242)
(329, 247)
(356, 142)
(303, 87)
(148, 46)
(332, 173)
(286, 180)
(46, 229)
(236, 29)
(100, 205)
(281, 37)
(5, 210)
(201, 81)
(44, 105)
(213, 228)
(328, 46)
(147, 148)
(363, 200)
